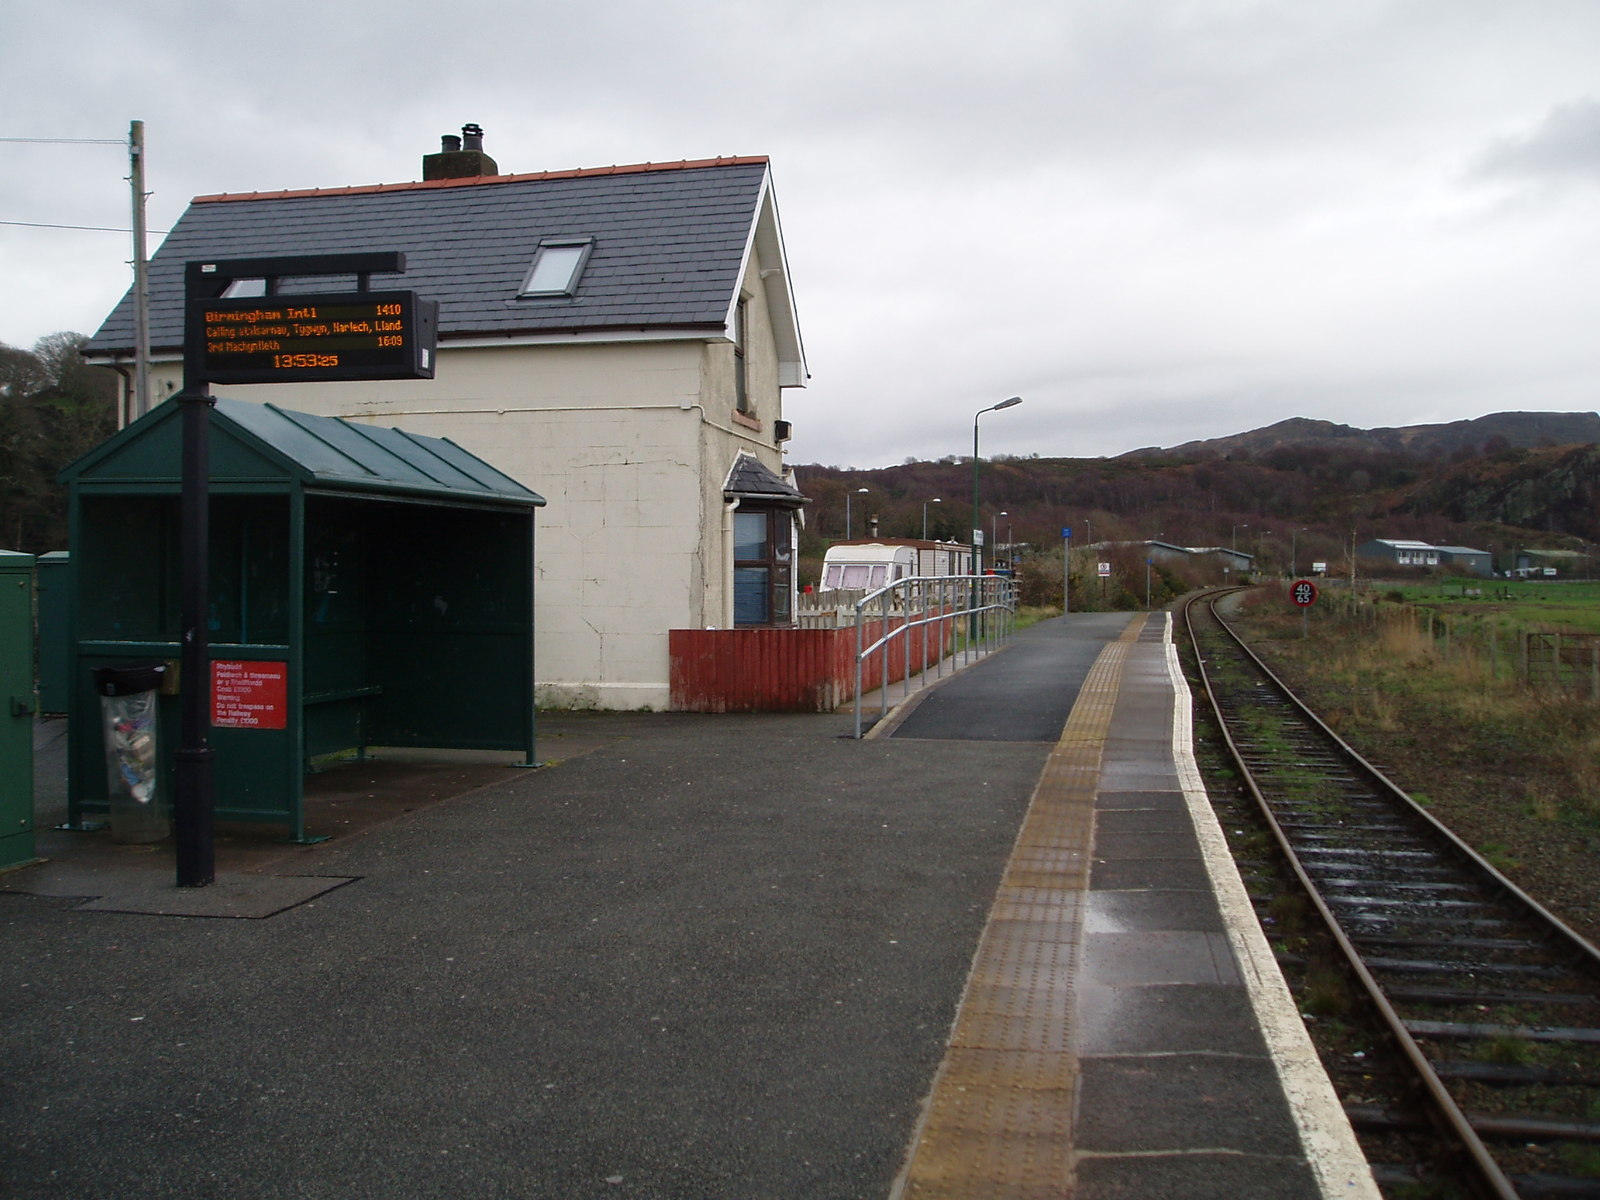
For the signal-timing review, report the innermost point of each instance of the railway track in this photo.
(1483, 1008)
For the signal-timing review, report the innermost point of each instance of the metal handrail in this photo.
(990, 601)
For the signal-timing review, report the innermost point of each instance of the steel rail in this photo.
(1445, 1107)
(1576, 942)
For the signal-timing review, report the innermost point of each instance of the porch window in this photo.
(763, 562)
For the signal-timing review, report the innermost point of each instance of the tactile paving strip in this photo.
(999, 1121)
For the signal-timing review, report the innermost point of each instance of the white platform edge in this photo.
(1329, 1142)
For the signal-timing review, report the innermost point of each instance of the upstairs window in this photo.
(741, 379)
(557, 264)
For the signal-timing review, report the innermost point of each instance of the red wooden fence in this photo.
(788, 670)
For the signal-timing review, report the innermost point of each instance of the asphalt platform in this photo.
(696, 956)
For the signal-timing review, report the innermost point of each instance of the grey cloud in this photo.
(1563, 145)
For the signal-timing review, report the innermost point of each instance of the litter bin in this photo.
(128, 717)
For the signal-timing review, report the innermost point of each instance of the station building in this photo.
(617, 339)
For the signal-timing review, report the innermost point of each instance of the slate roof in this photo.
(669, 243)
(752, 479)
(1402, 544)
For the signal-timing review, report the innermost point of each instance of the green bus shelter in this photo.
(368, 587)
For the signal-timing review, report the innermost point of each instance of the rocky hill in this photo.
(1300, 487)
(1497, 431)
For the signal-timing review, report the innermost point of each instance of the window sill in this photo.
(746, 420)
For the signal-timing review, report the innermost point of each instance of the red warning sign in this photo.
(249, 695)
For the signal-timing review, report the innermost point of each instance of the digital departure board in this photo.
(312, 338)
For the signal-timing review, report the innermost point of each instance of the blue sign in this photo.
(1066, 531)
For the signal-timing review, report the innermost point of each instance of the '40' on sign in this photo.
(1303, 592)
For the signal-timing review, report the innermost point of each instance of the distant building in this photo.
(1476, 562)
(1543, 564)
(1167, 552)
(1403, 552)
(1232, 560)
(1400, 552)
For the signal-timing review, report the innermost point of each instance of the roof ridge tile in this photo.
(484, 180)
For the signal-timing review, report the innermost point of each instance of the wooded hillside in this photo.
(53, 408)
(1315, 496)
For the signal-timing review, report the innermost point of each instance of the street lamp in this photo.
(994, 534)
(977, 530)
(925, 504)
(1233, 540)
(847, 496)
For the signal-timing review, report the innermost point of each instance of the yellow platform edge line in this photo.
(998, 1121)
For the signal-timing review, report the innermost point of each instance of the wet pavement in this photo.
(703, 957)
(700, 956)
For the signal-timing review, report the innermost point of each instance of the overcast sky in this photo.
(1155, 220)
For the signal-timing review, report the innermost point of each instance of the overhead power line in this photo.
(92, 228)
(68, 141)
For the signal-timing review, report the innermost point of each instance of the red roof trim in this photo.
(483, 180)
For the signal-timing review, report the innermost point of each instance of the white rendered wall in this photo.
(630, 444)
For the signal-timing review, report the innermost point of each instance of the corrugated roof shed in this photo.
(669, 244)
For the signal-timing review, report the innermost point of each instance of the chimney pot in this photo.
(460, 157)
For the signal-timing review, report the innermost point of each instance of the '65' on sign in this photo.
(1303, 592)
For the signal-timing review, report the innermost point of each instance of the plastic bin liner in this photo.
(128, 717)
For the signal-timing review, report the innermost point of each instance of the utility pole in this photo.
(141, 282)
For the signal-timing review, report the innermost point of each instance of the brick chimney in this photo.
(459, 157)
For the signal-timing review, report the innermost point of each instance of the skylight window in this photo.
(246, 287)
(556, 267)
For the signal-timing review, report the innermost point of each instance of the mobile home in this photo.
(873, 564)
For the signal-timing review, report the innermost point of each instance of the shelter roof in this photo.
(323, 452)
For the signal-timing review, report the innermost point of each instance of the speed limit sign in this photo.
(1303, 592)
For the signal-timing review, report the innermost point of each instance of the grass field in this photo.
(1548, 607)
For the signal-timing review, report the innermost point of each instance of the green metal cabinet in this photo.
(367, 587)
(54, 591)
(16, 717)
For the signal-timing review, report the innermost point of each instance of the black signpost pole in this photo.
(194, 774)
(392, 336)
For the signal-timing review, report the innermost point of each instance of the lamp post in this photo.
(1233, 541)
(994, 535)
(847, 497)
(977, 529)
(925, 504)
